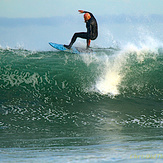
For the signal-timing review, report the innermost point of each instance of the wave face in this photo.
(69, 94)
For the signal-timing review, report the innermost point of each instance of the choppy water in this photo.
(100, 107)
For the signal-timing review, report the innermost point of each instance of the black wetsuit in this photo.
(91, 34)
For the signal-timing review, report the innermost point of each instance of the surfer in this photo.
(92, 30)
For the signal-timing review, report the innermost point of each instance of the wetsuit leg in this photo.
(83, 35)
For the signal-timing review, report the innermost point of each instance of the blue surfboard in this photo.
(62, 48)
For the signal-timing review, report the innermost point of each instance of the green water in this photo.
(99, 107)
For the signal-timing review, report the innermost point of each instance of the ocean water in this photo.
(106, 106)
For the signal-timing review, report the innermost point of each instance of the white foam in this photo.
(112, 72)
(108, 84)
(111, 75)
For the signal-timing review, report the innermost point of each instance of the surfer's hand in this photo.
(81, 11)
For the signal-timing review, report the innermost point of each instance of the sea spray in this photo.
(111, 76)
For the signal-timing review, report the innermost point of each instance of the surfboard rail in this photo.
(62, 48)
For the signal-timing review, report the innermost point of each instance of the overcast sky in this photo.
(51, 8)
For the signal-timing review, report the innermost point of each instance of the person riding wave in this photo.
(92, 30)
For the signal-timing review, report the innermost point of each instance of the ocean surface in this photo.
(104, 106)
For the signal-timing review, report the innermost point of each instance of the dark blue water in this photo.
(100, 107)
